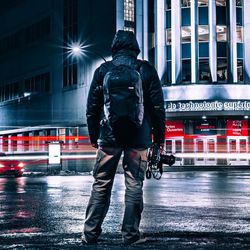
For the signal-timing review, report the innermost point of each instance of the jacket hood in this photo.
(125, 41)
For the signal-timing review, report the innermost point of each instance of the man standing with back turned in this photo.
(112, 138)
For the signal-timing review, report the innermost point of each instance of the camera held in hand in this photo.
(156, 158)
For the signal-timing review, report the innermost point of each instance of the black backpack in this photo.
(123, 101)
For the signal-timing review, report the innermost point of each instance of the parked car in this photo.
(10, 167)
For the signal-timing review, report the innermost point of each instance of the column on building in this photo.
(160, 38)
(119, 15)
(212, 40)
(142, 27)
(176, 41)
(246, 24)
(145, 29)
(194, 42)
(232, 43)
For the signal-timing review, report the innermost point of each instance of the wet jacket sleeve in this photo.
(156, 105)
(94, 106)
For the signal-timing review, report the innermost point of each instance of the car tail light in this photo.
(21, 165)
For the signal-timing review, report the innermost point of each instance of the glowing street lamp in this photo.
(76, 50)
(79, 50)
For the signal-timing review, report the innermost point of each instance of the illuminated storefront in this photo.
(201, 51)
(206, 78)
(209, 127)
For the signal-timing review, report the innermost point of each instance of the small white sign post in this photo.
(54, 153)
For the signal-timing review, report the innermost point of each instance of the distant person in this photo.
(125, 107)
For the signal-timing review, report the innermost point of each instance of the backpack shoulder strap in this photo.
(105, 68)
(139, 63)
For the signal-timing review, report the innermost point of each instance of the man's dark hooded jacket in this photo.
(125, 50)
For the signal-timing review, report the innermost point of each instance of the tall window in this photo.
(186, 71)
(221, 2)
(70, 35)
(186, 34)
(129, 15)
(222, 73)
(202, 2)
(239, 34)
(221, 33)
(185, 3)
(203, 33)
(204, 74)
(238, 2)
(240, 70)
(168, 3)
(37, 84)
(168, 36)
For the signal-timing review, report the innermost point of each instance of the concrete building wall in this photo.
(64, 106)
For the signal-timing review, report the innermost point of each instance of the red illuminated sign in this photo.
(237, 128)
(205, 127)
(174, 128)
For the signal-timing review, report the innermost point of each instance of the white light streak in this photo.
(245, 156)
(242, 156)
(45, 157)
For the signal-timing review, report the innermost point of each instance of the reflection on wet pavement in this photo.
(181, 203)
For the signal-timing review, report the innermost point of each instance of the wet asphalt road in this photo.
(183, 210)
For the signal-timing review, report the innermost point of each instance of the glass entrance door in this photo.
(207, 146)
(237, 145)
(174, 146)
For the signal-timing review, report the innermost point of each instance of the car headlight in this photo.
(20, 165)
(1, 166)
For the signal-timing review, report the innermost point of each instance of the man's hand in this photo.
(155, 154)
(161, 146)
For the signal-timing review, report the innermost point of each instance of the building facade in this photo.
(200, 48)
(206, 73)
(43, 85)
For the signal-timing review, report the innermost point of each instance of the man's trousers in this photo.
(134, 165)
